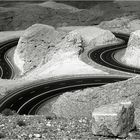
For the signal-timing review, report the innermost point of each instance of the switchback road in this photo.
(27, 100)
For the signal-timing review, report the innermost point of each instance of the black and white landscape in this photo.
(69, 69)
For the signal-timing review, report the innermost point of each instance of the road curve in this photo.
(27, 100)
(6, 68)
(105, 56)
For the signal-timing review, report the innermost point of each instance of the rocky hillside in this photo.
(55, 5)
(132, 53)
(125, 24)
(53, 53)
(55, 14)
(82, 102)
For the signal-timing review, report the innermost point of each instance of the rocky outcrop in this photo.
(118, 24)
(43, 47)
(113, 120)
(36, 46)
(124, 25)
(132, 53)
(95, 36)
(22, 17)
(55, 5)
(82, 102)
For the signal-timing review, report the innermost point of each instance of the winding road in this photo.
(105, 56)
(28, 99)
(6, 68)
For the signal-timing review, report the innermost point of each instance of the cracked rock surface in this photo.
(82, 102)
(114, 120)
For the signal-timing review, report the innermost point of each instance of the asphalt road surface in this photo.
(26, 100)
(105, 56)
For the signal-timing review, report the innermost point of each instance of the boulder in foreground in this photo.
(114, 120)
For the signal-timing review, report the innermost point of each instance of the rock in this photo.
(30, 136)
(134, 25)
(66, 54)
(120, 25)
(22, 17)
(37, 135)
(81, 103)
(55, 5)
(35, 46)
(114, 120)
(132, 53)
(95, 36)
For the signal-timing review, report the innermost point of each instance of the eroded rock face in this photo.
(124, 24)
(134, 25)
(42, 45)
(95, 36)
(114, 120)
(81, 103)
(132, 53)
(55, 5)
(35, 46)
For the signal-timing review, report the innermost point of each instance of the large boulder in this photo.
(114, 120)
(132, 53)
(91, 35)
(55, 5)
(35, 46)
(134, 25)
(66, 59)
(126, 24)
(81, 103)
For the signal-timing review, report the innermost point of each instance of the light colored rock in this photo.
(95, 35)
(116, 25)
(55, 5)
(113, 119)
(134, 25)
(66, 60)
(35, 46)
(132, 53)
(124, 24)
(44, 52)
(92, 35)
(81, 103)
(70, 28)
